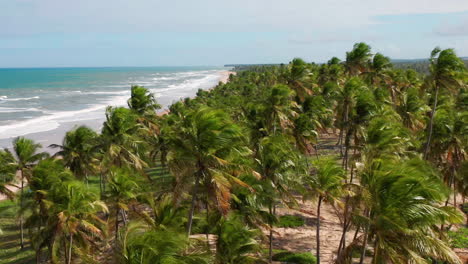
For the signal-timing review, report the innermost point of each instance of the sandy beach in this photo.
(55, 136)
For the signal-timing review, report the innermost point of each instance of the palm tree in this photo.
(7, 173)
(142, 101)
(297, 78)
(278, 164)
(46, 190)
(64, 213)
(378, 68)
(411, 109)
(77, 151)
(75, 220)
(357, 60)
(447, 73)
(325, 184)
(122, 189)
(141, 243)
(26, 152)
(403, 206)
(279, 109)
(119, 143)
(118, 139)
(205, 147)
(235, 242)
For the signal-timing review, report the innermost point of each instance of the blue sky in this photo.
(56, 33)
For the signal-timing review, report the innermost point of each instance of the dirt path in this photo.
(303, 239)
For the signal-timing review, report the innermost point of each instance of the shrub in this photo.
(459, 238)
(290, 221)
(295, 258)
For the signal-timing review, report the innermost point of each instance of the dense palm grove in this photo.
(220, 165)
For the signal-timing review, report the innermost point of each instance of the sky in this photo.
(66, 33)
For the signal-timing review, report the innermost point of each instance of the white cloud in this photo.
(32, 16)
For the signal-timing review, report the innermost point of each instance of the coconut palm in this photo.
(447, 73)
(204, 146)
(77, 151)
(118, 139)
(236, 242)
(403, 206)
(142, 244)
(279, 109)
(7, 173)
(64, 213)
(122, 189)
(119, 143)
(75, 221)
(27, 155)
(325, 184)
(358, 59)
(46, 189)
(297, 78)
(378, 68)
(411, 109)
(142, 101)
(277, 162)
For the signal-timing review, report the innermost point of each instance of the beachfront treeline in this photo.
(385, 147)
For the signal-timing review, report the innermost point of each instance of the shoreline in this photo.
(224, 78)
(55, 135)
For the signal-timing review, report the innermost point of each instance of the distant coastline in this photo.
(168, 86)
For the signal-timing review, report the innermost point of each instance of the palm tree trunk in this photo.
(21, 215)
(38, 256)
(100, 184)
(117, 211)
(192, 206)
(318, 229)
(347, 144)
(207, 227)
(272, 211)
(376, 249)
(364, 244)
(70, 249)
(431, 124)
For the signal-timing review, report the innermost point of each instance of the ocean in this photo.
(44, 103)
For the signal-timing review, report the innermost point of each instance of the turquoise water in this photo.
(42, 99)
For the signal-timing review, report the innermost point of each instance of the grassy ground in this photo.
(10, 252)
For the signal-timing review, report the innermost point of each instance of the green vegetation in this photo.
(459, 238)
(290, 221)
(385, 147)
(295, 258)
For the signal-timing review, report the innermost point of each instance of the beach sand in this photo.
(55, 136)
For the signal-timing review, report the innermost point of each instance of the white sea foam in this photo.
(107, 92)
(52, 120)
(5, 98)
(13, 110)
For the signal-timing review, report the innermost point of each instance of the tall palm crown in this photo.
(118, 139)
(297, 78)
(77, 150)
(279, 109)
(27, 154)
(447, 72)
(326, 185)
(357, 60)
(404, 200)
(7, 172)
(204, 151)
(142, 100)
